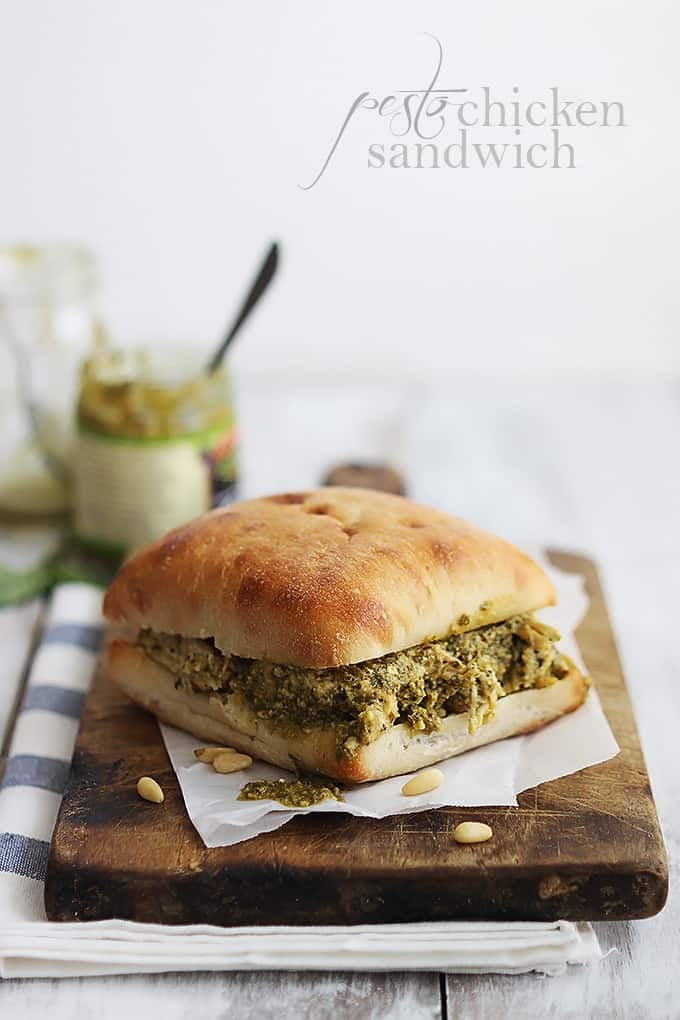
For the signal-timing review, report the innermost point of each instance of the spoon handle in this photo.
(259, 286)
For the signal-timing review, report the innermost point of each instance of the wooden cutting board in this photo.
(585, 847)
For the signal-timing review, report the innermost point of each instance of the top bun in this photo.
(325, 578)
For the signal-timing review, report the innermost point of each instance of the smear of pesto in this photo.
(291, 792)
(418, 686)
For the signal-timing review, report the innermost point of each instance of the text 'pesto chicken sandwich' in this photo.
(340, 631)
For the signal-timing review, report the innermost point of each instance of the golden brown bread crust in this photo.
(398, 751)
(324, 578)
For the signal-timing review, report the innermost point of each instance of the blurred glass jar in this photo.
(48, 321)
(156, 445)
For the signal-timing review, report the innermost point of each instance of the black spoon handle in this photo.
(260, 284)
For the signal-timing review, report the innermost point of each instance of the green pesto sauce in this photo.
(418, 686)
(291, 792)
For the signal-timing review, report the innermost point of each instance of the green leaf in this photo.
(71, 563)
(20, 587)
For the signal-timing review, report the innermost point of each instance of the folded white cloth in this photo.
(460, 947)
(32, 786)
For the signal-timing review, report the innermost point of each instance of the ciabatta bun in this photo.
(325, 578)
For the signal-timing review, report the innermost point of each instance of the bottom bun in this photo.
(227, 721)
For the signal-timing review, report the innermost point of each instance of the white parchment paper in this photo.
(491, 775)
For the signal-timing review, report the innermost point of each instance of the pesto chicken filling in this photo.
(419, 686)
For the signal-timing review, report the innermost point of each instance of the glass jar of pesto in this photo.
(156, 445)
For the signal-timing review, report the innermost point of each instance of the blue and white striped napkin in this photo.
(30, 794)
(42, 742)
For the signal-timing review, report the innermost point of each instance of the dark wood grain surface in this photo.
(587, 846)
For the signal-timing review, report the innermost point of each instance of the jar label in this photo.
(131, 491)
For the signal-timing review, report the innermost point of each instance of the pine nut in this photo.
(231, 762)
(424, 782)
(148, 789)
(208, 754)
(472, 832)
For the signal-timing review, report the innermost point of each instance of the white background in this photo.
(171, 136)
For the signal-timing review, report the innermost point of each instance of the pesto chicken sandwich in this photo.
(345, 632)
